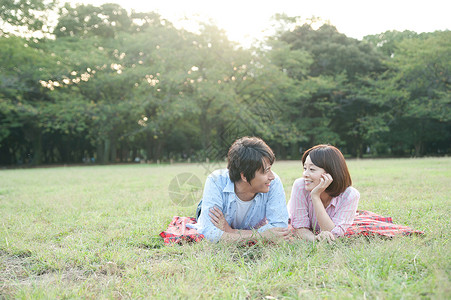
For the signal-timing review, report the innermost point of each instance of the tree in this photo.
(333, 53)
(22, 96)
(328, 108)
(386, 42)
(23, 13)
(85, 20)
(420, 70)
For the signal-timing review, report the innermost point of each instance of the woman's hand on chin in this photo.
(325, 181)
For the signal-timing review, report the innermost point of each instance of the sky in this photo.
(247, 20)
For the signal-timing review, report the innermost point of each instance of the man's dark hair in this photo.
(246, 156)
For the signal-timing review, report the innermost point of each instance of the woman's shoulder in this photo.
(351, 192)
(299, 184)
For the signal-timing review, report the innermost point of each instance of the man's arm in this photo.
(230, 234)
(212, 197)
(276, 211)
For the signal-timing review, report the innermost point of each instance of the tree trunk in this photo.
(159, 148)
(149, 146)
(106, 151)
(418, 149)
(99, 150)
(37, 147)
(113, 152)
(205, 129)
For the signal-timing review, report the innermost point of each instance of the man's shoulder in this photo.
(276, 180)
(220, 173)
(219, 177)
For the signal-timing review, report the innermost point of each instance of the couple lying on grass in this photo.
(247, 199)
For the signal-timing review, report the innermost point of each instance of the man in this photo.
(247, 199)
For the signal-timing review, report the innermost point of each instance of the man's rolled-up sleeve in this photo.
(276, 209)
(212, 197)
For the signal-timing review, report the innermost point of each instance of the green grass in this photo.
(92, 232)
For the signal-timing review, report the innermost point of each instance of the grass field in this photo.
(92, 232)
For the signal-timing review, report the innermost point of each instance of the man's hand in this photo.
(218, 219)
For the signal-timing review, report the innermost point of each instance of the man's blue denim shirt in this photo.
(219, 191)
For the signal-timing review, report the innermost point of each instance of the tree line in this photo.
(108, 85)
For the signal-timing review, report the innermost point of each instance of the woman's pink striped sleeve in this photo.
(298, 206)
(345, 211)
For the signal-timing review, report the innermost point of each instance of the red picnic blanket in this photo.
(365, 223)
(368, 223)
(177, 231)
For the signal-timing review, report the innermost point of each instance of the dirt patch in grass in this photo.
(20, 271)
(13, 267)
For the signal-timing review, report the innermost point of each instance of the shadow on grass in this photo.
(151, 243)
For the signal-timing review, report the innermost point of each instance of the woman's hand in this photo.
(325, 180)
(218, 219)
(303, 233)
(325, 236)
(277, 234)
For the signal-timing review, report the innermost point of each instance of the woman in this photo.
(323, 203)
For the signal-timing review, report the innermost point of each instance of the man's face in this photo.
(263, 177)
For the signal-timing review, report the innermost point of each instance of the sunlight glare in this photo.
(250, 20)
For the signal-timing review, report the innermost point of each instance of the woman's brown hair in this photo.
(333, 162)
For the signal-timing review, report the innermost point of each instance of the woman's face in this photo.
(312, 174)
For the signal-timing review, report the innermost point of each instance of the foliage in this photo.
(22, 96)
(26, 13)
(386, 42)
(333, 52)
(113, 85)
(417, 92)
(83, 20)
